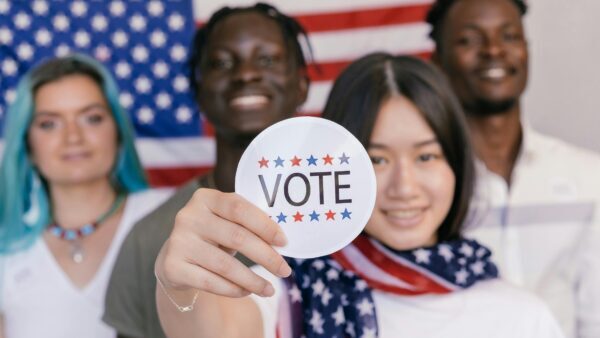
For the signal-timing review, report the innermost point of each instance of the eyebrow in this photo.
(474, 26)
(82, 110)
(419, 144)
(426, 143)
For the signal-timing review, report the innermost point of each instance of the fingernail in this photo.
(284, 270)
(280, 239)
(268, 291)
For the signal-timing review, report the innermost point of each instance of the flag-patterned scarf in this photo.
(331, 296)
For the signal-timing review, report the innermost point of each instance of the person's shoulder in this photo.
(141, 203)
(149, 199)
(183, 194)
(159, 221)
(505, 297)
(561, 150)
(529, 316)
(498, 288)
(26, 257)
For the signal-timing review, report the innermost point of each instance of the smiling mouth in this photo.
(249, 102)
(496, 73)
(405, 217)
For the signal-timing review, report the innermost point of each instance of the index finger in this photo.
(237, 209)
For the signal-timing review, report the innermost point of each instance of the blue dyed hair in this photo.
(24, 201)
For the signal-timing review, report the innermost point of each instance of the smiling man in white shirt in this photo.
(537, 197)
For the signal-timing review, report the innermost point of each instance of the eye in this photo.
(426, 157)
(469, 40)
(221, 64)
(94, 118)
(378, 160)
(46, 124)
(267, 60)
(429, 157)
(512, 36)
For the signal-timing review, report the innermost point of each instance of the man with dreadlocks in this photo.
(538, 197)
(248, 71)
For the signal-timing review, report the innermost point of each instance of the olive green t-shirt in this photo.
(130, 305)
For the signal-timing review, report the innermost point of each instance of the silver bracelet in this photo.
(179, 307)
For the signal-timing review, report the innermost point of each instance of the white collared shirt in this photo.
(542, 229)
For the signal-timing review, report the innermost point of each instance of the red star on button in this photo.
(330, 215)
(328, 159)
(296, 161)
(263, 162)
(298, 217)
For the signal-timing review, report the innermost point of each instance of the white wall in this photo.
(563, 95)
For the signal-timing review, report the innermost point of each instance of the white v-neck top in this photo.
(39, 299)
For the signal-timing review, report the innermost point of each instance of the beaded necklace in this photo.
(74, 236)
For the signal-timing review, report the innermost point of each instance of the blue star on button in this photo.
(346, 214)
(278, 162)
(314, 216)
(312, 160)
(281, 218)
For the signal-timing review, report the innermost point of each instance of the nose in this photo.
(247, 71)
(404, 183)
(493, 47)
(74, 132)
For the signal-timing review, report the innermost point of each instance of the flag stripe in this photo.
(174, 176)
(360, 18)
(205, 8)
(164, 168)
(328, 71)
(317, 95)
(403, 268)
(353, 254)
(349, 44)
(177, 152)
(373, 282)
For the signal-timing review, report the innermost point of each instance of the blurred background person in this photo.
(538, 199)
(248, 71)
(71, 187)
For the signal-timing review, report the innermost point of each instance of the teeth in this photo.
(250, 100)
(495, 73)
(404, 213)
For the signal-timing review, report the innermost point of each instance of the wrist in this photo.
(183, 299)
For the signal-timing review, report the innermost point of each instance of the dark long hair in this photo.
(362, 88)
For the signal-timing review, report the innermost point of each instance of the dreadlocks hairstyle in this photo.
(293, 33)
(437, 14)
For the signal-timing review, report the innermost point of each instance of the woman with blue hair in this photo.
(71, 187)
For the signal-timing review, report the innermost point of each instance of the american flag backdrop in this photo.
(144, 44)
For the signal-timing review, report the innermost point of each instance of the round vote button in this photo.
(313, 178)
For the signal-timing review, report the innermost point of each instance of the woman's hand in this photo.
(207, 232)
